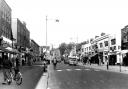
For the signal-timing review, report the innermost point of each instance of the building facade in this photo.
(124, 44)
(35, 49)
(41, 50)
(103, 48)
(20, 33)
(5, 23)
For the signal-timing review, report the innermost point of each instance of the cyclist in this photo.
(17, 65)
(7, 65)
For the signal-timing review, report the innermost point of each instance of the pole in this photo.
(120, 61)
(108, 52)
(46, 32)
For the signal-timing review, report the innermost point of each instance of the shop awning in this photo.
(8, 50)
(124, 51)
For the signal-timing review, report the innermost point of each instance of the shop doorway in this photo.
(112, 60)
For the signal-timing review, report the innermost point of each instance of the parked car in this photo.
(73, 61)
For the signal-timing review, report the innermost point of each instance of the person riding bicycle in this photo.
(17, 65)
(7, 65)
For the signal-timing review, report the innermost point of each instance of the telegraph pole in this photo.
(46, 31)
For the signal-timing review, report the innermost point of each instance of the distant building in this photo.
(35, 48)
(101, 47)
(20, 33)
(41, 50)
(46, 48)
(5, 23)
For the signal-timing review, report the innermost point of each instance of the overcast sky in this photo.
(78, 18)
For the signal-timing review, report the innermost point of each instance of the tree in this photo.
(66, 48)
(62, 48)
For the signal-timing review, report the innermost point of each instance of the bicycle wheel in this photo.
(19, 78)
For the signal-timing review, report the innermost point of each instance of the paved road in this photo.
(31, 76)
(79, 77)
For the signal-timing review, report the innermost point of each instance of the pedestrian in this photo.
(89, 58)
(7, 65)
(54, 62)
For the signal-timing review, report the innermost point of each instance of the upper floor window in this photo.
(87, 48)
(90, 48)
(101, 45)
(106, 43)
(113, 41)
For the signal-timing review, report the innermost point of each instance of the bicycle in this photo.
(15, 77)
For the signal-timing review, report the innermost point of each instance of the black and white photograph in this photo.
(63, 44)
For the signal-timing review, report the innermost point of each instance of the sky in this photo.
(79, 20)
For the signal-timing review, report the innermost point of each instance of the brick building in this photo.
(5, 23)
(20, 33)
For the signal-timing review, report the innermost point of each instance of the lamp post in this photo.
(47, 30)
(108, 51)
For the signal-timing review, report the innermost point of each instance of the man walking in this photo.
(54, 62)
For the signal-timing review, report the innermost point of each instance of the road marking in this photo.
(59, 70)
(85, 82)
(76, 81)
(77, 69)
(68, 69)
(68, 83)
(86, 69)
(96, 70)
(101, 81)
(93, 81)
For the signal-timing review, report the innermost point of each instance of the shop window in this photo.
(89, 48)
(114, 47)
(101, 45)
(106, 43)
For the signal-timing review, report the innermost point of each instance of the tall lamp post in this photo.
(47, 30)
(108, 51)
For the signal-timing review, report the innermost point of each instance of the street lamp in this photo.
(108, 51)
(56, 20)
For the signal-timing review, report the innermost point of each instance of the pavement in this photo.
(114, 68)
(33, 78)
(42, 83)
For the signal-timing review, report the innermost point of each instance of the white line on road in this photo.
(77, 69)
(87, 69)
(59, 70)
(68, 69)
(76, 81)
(96, 70)
(85, 82)
(101, 81)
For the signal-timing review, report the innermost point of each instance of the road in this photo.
(31, 76)
(79, 77)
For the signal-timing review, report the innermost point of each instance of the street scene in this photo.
(67, 44)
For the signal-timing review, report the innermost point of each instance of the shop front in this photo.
(112, 58)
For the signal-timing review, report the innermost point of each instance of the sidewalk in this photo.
(43, 82)
(115, 68)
